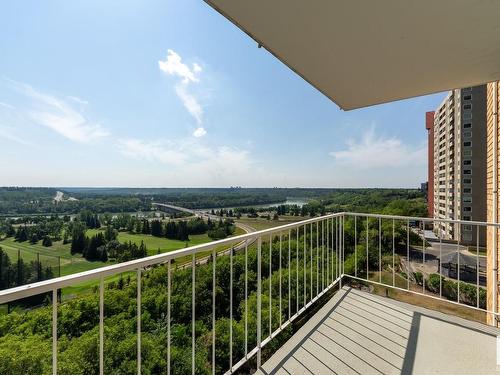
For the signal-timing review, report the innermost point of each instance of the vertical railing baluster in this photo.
(355, 246)
(169, 292)
(380, 250)
(289, 275)
(328, 244)
(322, 254)
(231, 309)
(305, 267)
(337, 240)
(393, 253)
(342, 249)
(246, 299)
(317, 257)
(101, 326)
(367, 251)
(193, 314)
(458, 262)
(477, 265)
(54, 332)
(408, 253)
(311, 251)
(139, 317)
(270, 285)
(279, 265)
(423, 256)
(297, 270)
(440, 262)
(259, 302)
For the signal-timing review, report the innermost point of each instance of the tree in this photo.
(110, 234)
(22, 234)
(47, 242)
(145, 227)
(78, 238)
(156, 228)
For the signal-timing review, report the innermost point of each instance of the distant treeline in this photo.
(17, 201)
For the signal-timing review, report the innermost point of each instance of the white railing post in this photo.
(259, 302)
(231, 309)
(270, 285)
(54, 332)
(169, 282)
(214, 280)
(101, 326)
(193, 315)
(246, 299)
(139, 301)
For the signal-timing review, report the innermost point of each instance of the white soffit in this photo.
(365, 52)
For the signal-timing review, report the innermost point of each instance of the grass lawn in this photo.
(152, 243)
(260, 224)
(73, 264)
(473, 250)
(429, 303)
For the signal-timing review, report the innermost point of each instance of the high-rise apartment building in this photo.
(429, 125)
(459, 149)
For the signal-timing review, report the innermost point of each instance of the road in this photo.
(199, 213)
(434, 251)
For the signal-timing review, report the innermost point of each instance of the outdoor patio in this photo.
(361, 333)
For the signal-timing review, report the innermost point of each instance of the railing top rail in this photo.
(23, 291)
(427, 219)
(28, 290)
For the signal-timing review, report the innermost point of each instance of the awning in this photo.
(365, 52)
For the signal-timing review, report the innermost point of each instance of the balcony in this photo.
(342, 293)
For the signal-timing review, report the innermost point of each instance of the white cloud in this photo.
(9, 134)
(378, 152)
(78, 100)
(190, 102)
(5, 105)
(189, 162)
(60, 116)
(174, 66)
(199, 132)
(153, 151)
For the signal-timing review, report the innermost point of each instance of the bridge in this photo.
(206, 215)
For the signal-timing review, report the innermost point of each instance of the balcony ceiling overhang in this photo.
(364, 52)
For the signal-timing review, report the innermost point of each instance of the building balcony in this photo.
(342, 293)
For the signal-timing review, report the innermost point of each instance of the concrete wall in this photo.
(491, 215)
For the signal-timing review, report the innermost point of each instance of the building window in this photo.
(467, 152)
(467, 134)
(468, 228)
(466, 218)
(467, 190)
(467, 125)
(467, 106)
(467, 171)
(467, 162)
(467, 236)
(467, 181)
(467, 116)
(467, 97)
(467, 209)
(467, 199)
(467, 144)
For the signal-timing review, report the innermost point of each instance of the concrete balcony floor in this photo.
(361, 333)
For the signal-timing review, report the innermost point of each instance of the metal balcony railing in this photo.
(308, 258)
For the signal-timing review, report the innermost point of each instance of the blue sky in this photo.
(169, 94)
